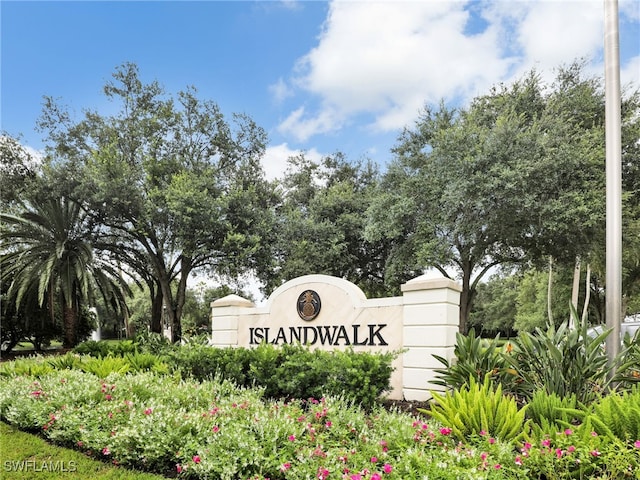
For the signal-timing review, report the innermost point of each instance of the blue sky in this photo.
(317, 76)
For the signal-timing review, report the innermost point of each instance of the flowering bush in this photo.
(212, 429)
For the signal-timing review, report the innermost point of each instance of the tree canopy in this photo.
(515, 177)
(176, 187)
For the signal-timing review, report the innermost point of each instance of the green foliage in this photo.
(31, 366)
(628, 371)
(322, 220)
(494, 305)
(561, 361)
(146, 362)
(475, 358)
(478, 410)
(153, 342)
(550, 413)
(104, 348)
(102, 367)
(292, 371)
(532, 298)
(212, 429)
(68, 361)
(618, 415)
(53, 261)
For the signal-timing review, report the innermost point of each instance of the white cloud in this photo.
(386, 59)
(280, 90)
(302, 128)
(631, 72)
(275, 159)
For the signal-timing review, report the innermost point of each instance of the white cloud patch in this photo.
(631, 72)
(302, 127)
(387, 59)
(280, 91)
(275, 159)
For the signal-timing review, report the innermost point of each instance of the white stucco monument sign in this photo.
(331, 313)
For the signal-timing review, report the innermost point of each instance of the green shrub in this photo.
(146, 362)
(549, 412)
(475, 358)
(30, 366)
(618, 415)
(479, 410)
(202, 362)
(628, 372)
(291, 371)
(102, 367)
(561, 361)
(68, 361)
(152, 342)
(104, 348)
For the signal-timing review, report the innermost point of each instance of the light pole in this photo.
(613, 149)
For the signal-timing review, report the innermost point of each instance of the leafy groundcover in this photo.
(214, 430)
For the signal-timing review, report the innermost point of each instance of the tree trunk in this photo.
(587, 295)
(156, 309)
(181, 296)
(70, 316)
(549, 291)
(466, 297)
(575, 291)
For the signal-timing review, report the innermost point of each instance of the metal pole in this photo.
(613, 150)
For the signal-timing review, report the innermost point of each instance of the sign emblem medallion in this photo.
(308, 305)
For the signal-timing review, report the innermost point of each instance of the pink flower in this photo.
(492, 440)
(374, 459)
(483, 456)
(108, 397)
(527, 446)
(386, 468)
(595, 453)
(568, 431)
(215, 429)
(376, 476)
(497, 466)
(546, 442)
(355, 476)
(148, 411)
(518, 460)
(594, 434)
(323, 473)
(291, 438)
(559, 452)
(179, 468)
(328, 424)
(285, 466)
(106, 451)
(445, 431)
(196, 459)
(482, 433)
(636, 444)
(571, 449)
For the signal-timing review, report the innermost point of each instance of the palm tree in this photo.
(48, 248)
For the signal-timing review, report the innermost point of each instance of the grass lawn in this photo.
(24, 456)
(26, 346)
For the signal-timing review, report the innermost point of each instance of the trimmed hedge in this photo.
(292, 371)
(284, 372)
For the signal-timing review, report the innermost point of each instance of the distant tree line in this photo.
(167, 187)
